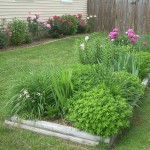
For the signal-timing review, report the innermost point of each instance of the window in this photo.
(68, 1)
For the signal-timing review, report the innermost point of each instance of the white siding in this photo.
(46, 8)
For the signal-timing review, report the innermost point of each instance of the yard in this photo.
(17, 64)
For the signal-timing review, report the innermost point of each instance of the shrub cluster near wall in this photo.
(20, 32)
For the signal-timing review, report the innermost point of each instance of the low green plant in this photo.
(144, 64)
(31, 97)
(62, 89)
(126, 85)
(98, 112)
(122, 40)
(18, 28)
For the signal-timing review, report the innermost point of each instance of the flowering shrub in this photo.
(5, 36)
(56, 30)
(82, 27)
(68, 24)
(90, 23)
(132, 37)
(19, 30)
(37, 26)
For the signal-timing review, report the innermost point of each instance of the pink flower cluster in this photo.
(133, 37)
(113, 34)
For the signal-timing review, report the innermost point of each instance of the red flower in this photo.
(56, 17)
(9, 34)
(63, 20)
(81, 24)
(79, 15)
(70, 22)
(145, 43)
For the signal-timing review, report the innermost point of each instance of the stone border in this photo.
(62, 131)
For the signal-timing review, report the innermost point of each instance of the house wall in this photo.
(46, 8)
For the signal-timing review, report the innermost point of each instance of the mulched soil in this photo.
(36, 43)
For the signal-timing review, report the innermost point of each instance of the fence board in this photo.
(122, 14)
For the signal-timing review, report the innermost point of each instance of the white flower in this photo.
(82, 46)
(88, 18)
(25, 92)
(101, 46)
(95, 16)
(112, 40)
(86, 38)
(91, 16)
(126, 32)
(27, 95)
(38, 94)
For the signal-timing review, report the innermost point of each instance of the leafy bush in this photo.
(68, 24)
(120, 83)
(91, 23)
(126, 85)
(82, 27)
(122, 40)
(28, 38)
(18, 29)
(98, 112)
(38, 27)
(56, 30)
(144, 63)
(5, 35)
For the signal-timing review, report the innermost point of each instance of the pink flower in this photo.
(130, 35)
(70, 22)
(63, 20)
(9, 34)
(33, 17)
(136, 37)
(48, 26)
(40, 21)
(145, 43)
(130, 31)
(132, 41)
(115, 30)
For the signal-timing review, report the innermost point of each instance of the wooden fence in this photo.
(122, 14)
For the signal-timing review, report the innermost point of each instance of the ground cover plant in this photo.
(84, 73)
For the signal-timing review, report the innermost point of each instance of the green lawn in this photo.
(14, 65)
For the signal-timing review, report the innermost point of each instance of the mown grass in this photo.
(15, 65)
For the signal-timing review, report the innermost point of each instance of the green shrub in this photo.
(126, 85)
(18, 29)
(68, 25)
(28, 38)
(122, 83)
(4, 38)
(98, 112)
(144, 63)
(38, 28)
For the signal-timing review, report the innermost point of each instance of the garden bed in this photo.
(62, 131)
